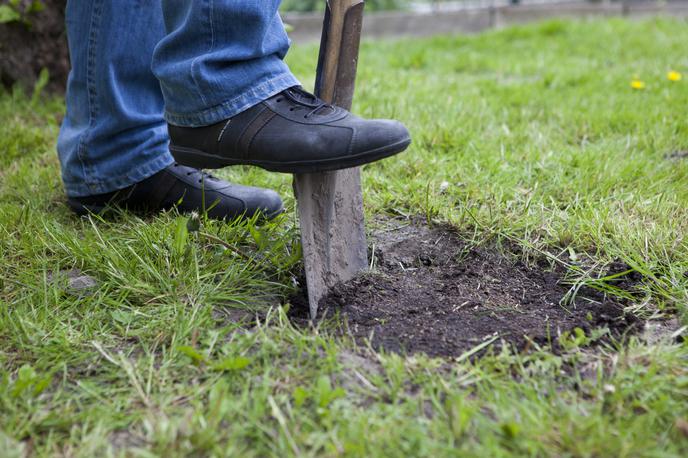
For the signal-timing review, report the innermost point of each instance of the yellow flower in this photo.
(637, 84)
(674, 76)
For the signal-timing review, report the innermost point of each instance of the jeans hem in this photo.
(232, 107)
(140, 173)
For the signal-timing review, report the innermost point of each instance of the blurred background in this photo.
(33, 44)
(437, 5)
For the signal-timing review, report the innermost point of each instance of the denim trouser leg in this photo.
(212, 58)
(220, 57)
(114, 133)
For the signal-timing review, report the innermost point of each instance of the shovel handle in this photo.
(338, 59)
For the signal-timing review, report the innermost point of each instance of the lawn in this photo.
(529, 138)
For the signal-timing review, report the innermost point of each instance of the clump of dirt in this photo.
(32, 42)
(74, 281)
(680, 154)
(433, 293)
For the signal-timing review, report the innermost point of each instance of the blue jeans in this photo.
(137, 65)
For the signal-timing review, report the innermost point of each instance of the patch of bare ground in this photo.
(679, 154)
(431, 292)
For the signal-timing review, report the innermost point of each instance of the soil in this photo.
(681, 154)
(74, 282)
(433, 293)
(35, 42)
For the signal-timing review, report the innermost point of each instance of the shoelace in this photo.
(203, 174)
(298, 95)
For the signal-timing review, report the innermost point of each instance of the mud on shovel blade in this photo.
(331, 203)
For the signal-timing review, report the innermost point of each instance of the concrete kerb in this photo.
(306, 27)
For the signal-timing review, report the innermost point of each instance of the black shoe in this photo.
(292, 132)
(184, 188)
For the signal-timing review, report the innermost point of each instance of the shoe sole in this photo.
(201, 160)
(83, 210)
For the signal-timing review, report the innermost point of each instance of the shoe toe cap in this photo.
(265, 201)
(254, 200)
(380, 133)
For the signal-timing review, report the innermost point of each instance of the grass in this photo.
(540, 140)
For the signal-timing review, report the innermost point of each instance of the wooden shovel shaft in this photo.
(338, 59)
(331, 204)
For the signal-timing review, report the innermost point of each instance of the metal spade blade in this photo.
(331, 203)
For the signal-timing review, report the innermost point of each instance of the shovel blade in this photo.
(332, 230)
(331, 203)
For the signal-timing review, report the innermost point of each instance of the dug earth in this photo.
(31, 40)
(431, 292)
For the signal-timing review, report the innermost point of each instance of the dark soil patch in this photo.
(433, 293)
(682, 154)
(35, 41)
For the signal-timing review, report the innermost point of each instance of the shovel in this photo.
(331, 203)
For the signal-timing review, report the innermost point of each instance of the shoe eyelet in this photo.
(278, 100)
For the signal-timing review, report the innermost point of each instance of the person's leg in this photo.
(230, 99)
(114, 134)
(219, 58)
(113, 145)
